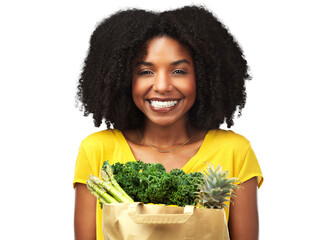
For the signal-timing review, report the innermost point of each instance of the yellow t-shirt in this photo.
(232, 151)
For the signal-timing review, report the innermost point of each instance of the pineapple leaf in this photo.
(216, 189)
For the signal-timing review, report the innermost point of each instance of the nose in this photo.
(162, 83)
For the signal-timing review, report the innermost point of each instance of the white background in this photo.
(43, 45)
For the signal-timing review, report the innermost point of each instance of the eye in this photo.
(145, 72)
(178, 71)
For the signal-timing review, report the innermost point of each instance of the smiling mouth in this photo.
(163, 104)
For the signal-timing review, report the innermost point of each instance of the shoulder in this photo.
(228, 141)
(102, 138)
(229, 137)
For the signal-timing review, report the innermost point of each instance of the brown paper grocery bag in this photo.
(138, 221)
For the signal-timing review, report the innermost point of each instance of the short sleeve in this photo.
(249, 166)
(83, 168)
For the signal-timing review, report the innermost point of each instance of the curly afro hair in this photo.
(221, 70)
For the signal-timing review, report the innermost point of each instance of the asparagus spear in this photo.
(119, 196)
(101, 192)
(108, 174)
(97, 195)
(109, 177)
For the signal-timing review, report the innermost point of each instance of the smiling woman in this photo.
(166, 82)
(163, 83)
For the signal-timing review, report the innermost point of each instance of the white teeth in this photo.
(163, 104)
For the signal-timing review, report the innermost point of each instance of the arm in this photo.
(84, 214)
(243, 219)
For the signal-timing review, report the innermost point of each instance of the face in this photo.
(163, 84)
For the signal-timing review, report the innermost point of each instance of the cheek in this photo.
(190, 91)
(137, 91)
(137, 83)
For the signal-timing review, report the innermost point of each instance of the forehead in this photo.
(164, 48)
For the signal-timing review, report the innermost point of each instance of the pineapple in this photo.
(216, 189)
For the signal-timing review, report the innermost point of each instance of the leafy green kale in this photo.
(150, 183)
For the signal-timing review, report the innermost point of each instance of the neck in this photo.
(165, 136)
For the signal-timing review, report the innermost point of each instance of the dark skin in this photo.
(243, 217)
(166, 74)
(84, 214)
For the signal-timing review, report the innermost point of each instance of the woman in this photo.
(166, 82)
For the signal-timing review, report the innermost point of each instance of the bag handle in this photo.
(158, 218)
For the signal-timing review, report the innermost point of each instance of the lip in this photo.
(163, 99)
(162, 110)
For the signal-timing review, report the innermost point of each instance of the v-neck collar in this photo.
(187, 167)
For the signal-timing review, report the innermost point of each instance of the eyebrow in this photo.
(180, 61)
(172, 64)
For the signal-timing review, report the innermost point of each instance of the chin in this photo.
(166, 122)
